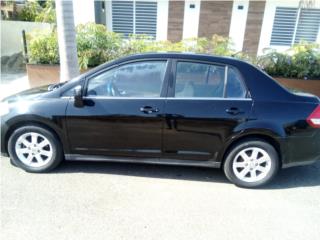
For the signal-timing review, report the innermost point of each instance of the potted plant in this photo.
(95, 46)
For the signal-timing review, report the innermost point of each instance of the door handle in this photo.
(233, 111)
(148, 109)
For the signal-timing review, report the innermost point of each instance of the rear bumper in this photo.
(301, 151)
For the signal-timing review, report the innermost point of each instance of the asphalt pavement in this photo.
(85, 200)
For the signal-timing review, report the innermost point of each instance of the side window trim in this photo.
(225, 81)
(173, 73)
(164, 88)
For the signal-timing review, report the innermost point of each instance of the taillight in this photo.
(314, 118)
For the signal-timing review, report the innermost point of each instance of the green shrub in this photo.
(306, 61)
(37, 11)
(301, 61)
(43, 47)
(218, 45)
(275, 63)
(136, 44)
(47, 13)
(96, 45)
(30, 11)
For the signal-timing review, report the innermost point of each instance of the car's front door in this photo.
(207, 103)
(122, 113)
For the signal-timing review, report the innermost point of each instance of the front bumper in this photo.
(4, 131)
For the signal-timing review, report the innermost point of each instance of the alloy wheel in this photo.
(33, 149)
(251, 164)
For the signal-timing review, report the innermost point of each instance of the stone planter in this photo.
(310, 86)
(42, 74)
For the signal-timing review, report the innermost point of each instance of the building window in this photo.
(308, 25)
(134, 17)
(292, 25)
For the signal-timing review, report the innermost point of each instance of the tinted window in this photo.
(208, 80)
(199, 80)
(235, 87)
(141, 79)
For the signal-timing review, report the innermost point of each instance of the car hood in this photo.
(30, 94)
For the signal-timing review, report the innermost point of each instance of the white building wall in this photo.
(162, 19)
(238, 23)
(11, 34)
(83, 11)
(191, 19)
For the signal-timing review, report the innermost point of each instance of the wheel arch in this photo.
(271, 139)
(23, 123)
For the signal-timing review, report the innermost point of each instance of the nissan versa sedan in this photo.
(168, 108)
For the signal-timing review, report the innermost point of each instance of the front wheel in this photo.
(34, 149)
(252, 163)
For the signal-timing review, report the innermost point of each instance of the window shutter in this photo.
(146, 18)
(308, 25)
(122, 17)
(134, 17)
(284, 26)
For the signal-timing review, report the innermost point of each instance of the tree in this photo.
(69, 67)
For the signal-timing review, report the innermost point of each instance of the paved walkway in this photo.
(13, 83)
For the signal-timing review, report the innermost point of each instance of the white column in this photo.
(238, 23)
(162, 19)
(108, 6)
(191, 18)
(83, 11)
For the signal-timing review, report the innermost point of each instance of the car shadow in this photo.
(306, 176)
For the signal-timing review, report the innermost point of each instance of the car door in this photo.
(206, 104)
(122, 113)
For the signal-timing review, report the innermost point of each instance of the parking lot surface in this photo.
(85, 200)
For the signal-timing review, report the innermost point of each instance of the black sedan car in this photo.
(169, 108)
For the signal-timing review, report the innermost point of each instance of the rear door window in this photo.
(201, 80)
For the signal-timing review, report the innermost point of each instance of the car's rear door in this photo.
(123, 111)
(205, 105)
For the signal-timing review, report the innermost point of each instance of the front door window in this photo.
(136, 80)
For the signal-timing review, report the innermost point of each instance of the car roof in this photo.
(183, 55)
(173, 55)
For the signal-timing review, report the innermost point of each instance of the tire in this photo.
(251, 163)
(35, 149)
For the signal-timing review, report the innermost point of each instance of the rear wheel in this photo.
(34, 149)
(251, 163)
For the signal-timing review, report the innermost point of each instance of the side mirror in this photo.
(77, 93)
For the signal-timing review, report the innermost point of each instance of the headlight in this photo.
(4, 108)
